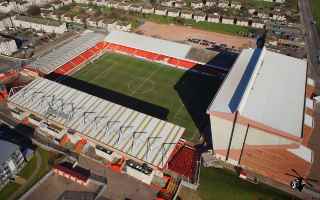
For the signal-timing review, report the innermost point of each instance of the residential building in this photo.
(40, 24)
(7, 46)
(11, 162)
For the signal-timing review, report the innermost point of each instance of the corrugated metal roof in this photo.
(266, 87)
(150, 44)
(136, 134)
(57, 57)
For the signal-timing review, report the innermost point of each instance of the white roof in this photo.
(150, 44)
(58, 57)
(266, 87)
(141, 136)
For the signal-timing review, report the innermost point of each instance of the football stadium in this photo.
(133, 102)
(139, 105)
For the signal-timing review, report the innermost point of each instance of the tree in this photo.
(34, 10)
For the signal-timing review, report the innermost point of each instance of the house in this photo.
(257, 24)
(67, 18)
(135, 8)
(91, 22)
(223, 4)
(275, 1)
(195, 4)
(262, 15)
(186, 14)
(82, 1)
(7, 46)
(101, 2)
(40, 24)
(122, 26)
(242, 21)
(11, 162)
(106, 23)
(5, 22)
(77, 19)
(54, 16)
(6, 7)
(199, 16)
(180, 4)
(250, 124)
(66, 2)
(112, 4)
(172, 12)
(210, 3)
(235, 5)
(57, 4)
(227, 20)
(148, 10)
(214, 18)
(168, 3)
(124, 6)
(161, 11)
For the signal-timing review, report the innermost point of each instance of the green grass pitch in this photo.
(183, 94)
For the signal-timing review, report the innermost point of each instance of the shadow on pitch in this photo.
(112, 96)
(197, 88)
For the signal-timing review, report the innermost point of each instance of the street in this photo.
(312, 40)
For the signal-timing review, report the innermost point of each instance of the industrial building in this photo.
(262, 116)
(11, 161)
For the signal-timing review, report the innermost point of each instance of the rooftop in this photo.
(38, 20)
(150, 44)
(102, 122)
(266, 87)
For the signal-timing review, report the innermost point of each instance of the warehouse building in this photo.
(11, 161)
(262, 116)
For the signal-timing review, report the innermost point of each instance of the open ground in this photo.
(182, 33)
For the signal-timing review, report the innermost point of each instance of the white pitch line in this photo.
(146, 79)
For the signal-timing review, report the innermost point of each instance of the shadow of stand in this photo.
(198, 86)
(112, 96)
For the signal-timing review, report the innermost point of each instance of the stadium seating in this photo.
(58, 57)
(80, 59)
(150, 56)
(184, 161)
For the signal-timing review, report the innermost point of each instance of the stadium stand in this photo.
(184, 161)
(58, 57)
(84, 57)
(157, 50)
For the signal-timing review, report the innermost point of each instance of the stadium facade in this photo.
(262, 116)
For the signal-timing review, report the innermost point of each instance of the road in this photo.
(312, 39)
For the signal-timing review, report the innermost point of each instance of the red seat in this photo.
(184, 161)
